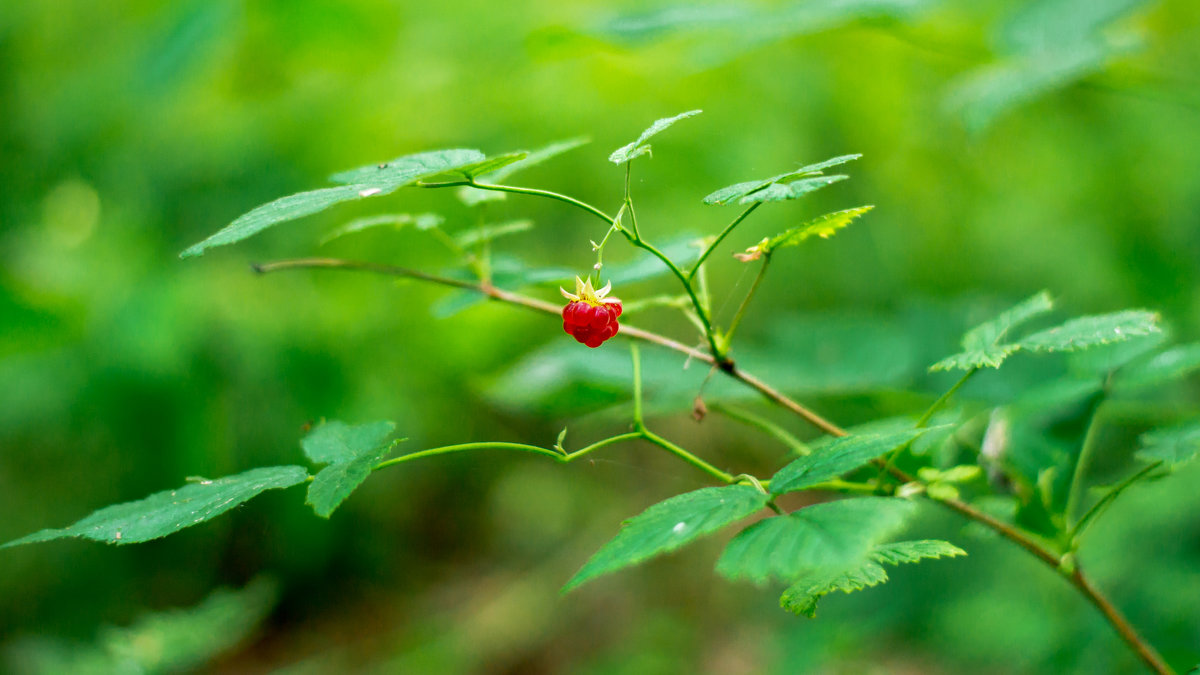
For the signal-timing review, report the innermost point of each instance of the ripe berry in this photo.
(589, 317)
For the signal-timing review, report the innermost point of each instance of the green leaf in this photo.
(825, 536)
(351, 452)
(472, 196)
(282, 210)
(668, 525)
(1171, 364)
(899, 552)
(1173, 445)
(422, 221)
(836, 458)
(639, 147)
(489, 232)
(982, 346)
(1089, 331)
(778, 192)
(360, 183)
(490, 164)
(333, 484)
(408, 169)
(823, 226)
(801, 597)
(334, 442)
(739, 190)
(169, 511)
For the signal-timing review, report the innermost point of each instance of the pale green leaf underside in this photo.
(988, 357)
(836, 458)
(639, 147)
(821, 537)
(422, 221)
(669, 525)
(778, 192)
(1173, 445)
(801, 597)
(729, 193)
(169, 511)
(823, 226)
(489, 232)
(472, 196)
(333, 484)
(334, 442)
(1089, 331)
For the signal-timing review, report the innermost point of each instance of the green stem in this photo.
(720, 237)
(944, 398)
(524, 191)
(463, 447)
(687, 457)
(741, 310)
(1075, 491)
(639, 423)
(1104, 502)
(612, 440)
(770, 428)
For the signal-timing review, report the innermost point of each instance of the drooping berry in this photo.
(590, 317)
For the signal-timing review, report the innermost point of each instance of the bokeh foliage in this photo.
(1006, 149)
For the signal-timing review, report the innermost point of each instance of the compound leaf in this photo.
(899, 552)
(823, 537)
(640, 147)
(669, 525)
(778, 192)
(739, 190)
(169, 511)
(838, 457)
(408, 169)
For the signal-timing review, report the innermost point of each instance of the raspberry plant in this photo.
(861, 485)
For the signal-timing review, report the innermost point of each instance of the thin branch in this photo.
(720, 237)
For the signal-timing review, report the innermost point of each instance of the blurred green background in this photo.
(1009, 147)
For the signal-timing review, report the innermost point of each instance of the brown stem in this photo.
(1143, 649)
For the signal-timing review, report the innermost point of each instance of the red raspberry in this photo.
(589, 317)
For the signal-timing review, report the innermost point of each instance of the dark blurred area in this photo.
(1008, 147)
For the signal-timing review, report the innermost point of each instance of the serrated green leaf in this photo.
(408, 169)
(422, 221)
(1173, 445)
(639, 147)
(282, 210)
(1089, 331)
(825, 536)
(823, 226)
(1171, 364)
(472, 237)
(472, 196)
(729, 193)
(668, 525)
(900, 552)
(494, 163)
(169, 511)
(334, 442)
(838, 457)
(333, 484)
(982, 344)
(801, 597)
(778, 192)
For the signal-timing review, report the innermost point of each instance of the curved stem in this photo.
(463, 447)
(741, 310)
(525, 191)
(688, 457)
(720, 237)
